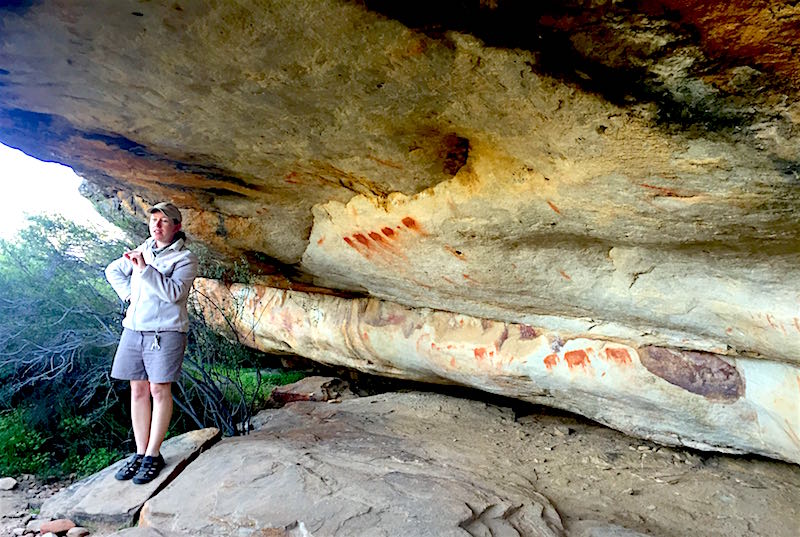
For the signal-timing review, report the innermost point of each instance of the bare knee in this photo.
(161, 392)
(140, 389)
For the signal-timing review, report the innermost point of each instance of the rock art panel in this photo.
(498, 249)
(700, 400)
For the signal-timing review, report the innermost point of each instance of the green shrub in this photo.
(90, 463)
(22, 450)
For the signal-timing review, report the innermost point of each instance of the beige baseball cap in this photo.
(168, 209)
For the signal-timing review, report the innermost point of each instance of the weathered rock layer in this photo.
(695, 399)
(624, 173)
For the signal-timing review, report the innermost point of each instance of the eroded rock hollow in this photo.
(605, 194)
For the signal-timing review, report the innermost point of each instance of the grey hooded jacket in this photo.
(158, 294)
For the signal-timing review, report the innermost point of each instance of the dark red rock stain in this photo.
(376, 237)
(577, 359)
(702, 373)
(526, 332)
(480, 353)
(502, 339)
(362, 239)
(350, 243)
(389, 232)
(619, 356)
(550, 361)
(410, 223)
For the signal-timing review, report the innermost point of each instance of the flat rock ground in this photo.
(585, 471)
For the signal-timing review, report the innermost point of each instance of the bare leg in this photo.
(140, 413)
(162, 413)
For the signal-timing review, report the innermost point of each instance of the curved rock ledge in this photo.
(695, 399)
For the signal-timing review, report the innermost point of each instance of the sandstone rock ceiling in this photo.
(625, 169)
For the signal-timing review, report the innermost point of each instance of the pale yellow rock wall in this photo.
(693, 399)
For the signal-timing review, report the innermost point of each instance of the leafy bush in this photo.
(22, 450)
(59, 320)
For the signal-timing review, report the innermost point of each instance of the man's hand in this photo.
(136, 258)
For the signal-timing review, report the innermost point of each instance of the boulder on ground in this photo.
(58, 526)
(313, 388)
(101, 499)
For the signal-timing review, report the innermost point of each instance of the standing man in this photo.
(156, 278)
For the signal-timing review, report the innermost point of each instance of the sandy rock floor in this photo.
(590, 472)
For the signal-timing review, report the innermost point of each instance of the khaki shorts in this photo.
(139, 358)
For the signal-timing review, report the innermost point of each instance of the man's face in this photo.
(162, 228)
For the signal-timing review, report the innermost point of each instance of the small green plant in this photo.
(23, 450)
(88, 464)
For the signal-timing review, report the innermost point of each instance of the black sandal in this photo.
(149, 470)
(130, 469)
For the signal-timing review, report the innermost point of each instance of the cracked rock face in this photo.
(619, 171)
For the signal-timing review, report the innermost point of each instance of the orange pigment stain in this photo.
(389, 232)
(320, 241)
(375, 236)
(553, 206)
(619, 356)
(565, 275)
(480, 353)
(550, 361)
(577, 358)
(452, 362)
(349, 242)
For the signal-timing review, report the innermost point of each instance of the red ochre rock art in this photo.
(577, 358)
(535, 364)
(581, 358)
(372, 242)
(618, 355)
(702, 373)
